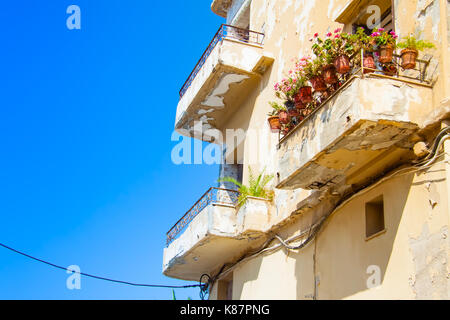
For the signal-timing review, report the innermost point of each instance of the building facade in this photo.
(361, 184)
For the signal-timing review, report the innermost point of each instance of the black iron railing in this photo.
(225, 31)
(212, 196)
(417, 75)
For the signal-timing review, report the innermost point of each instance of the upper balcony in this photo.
(214, 232)
(363, 127)
(228, 70)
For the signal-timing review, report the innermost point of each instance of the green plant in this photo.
(276, 108)
(256, 186)
(334, 45)
(412, 43)
(314, 67)
(363, 41)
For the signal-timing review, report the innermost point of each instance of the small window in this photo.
(374, 217)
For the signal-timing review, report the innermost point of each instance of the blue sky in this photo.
(86, 118)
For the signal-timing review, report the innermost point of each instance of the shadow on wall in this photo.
(347, 261)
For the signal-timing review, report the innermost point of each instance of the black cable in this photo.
(101, 278)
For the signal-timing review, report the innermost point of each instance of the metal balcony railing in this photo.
(212, 196)
(412, 76)
(225, 31)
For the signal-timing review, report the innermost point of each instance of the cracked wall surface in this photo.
(416, 219)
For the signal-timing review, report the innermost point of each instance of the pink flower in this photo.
(316, 35)
(336, 36)
(381, 30)
(375, 34)
(337, 30)
(395, 36)
(329, 34)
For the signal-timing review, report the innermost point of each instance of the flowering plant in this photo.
(381, 37)
(286, 88)
(335, 44)
(313, 67)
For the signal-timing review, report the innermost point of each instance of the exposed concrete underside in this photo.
(353, 138)
(230, 73)
(217, 235)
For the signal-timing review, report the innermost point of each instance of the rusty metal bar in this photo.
(212, 196)
(225, 31)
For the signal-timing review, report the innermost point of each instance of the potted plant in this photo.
(257, 186)
(343, 48)
(411, 47)
(366, 43)
(385, 42)
(326, 51)
(303, 95)
(389, 69)
(274, 121)
(313, 71)
(280, 112)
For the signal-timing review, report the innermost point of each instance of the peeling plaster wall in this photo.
(288, 26)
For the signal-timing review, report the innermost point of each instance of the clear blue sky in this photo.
(85, 126)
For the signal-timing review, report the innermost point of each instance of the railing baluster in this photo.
(223, 32)
(213, 195)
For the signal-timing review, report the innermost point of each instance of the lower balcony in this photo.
(214, 232)
(364, 129)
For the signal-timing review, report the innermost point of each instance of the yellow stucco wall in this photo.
(413, 253)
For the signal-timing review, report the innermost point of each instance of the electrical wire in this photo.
(101, 278)
(425, 163)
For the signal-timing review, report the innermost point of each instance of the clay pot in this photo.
(298, 102)
(409, 57)
(369, 62)
(306, 94)
(329, 74)
(386, 54)
(342, 64)
(284, 117)
(274, 123)
(293, 113)
(390, 69)
(318, 84)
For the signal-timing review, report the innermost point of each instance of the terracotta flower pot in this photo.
(329, 74)
(298, 102)
(409, 57)
(342, 64)
(389, 69)
(293, 113)
(274, 123)
(369, 62)
(300, 105)
(284, 117)
(318, 84)
(306, 94)
(385, 54)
